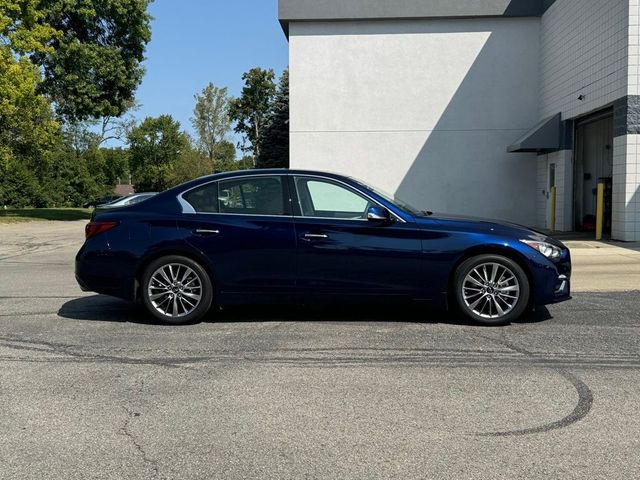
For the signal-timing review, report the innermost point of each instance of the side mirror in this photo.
(378, 214)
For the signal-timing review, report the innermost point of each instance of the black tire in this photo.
(183, 315)
(490, 292)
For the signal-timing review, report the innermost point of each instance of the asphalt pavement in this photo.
(90, 388)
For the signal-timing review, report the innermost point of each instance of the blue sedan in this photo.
(285, 236)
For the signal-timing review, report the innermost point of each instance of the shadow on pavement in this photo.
(101, 308)
(107, 309)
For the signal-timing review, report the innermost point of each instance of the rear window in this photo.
(204, 199)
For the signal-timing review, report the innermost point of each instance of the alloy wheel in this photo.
(491, 290)
(175, 290)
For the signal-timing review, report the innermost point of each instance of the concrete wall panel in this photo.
(424, 109)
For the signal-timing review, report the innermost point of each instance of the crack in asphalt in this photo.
(126, 431)
(581, 410)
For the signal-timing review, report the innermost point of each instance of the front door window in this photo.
(321, 198)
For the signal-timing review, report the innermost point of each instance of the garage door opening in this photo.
(593, 165)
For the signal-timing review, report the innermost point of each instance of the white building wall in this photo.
(626, 159)
(424, 109)
(584, 51)
(633, 74)
(626, 188)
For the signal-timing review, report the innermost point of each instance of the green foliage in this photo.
(93, 65)
(224, 157)
(84, 57)
(246, 163)
(69, 180)
(250, 110)
(27, 126)
(211, 118)
(190, 165)
(19, 186)
(155, 147)
(274, 140)
(116, 165)
(23, 27)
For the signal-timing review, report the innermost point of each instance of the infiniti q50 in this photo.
(285, 236)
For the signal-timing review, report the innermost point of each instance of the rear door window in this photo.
(262, 195)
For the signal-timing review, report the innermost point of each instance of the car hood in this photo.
(487, 225)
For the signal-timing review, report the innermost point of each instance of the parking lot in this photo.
(91, 388)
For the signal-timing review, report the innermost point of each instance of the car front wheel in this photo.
(176, 290)
(491, 289)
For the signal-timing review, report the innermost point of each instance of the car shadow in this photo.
(102, 308)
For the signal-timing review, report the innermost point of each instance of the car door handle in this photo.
(315, 236)
(204, 231)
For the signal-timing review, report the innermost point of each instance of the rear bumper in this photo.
(83, 286)
(104, 272)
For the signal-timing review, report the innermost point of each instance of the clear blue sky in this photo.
(199, 41)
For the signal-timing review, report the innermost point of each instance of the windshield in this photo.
(401, 204)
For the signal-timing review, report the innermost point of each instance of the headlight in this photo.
(546, 249)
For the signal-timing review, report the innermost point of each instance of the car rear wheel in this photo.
(176, 290)
(491, 289)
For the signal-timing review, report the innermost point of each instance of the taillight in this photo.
(96, 228)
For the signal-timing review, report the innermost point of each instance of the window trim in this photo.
(188, 209)
(349, 187)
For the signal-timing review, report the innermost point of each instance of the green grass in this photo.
(14, 215)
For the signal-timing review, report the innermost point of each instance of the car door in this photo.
(244, 226)
(341, 253)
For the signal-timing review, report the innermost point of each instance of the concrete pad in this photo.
(604, 266)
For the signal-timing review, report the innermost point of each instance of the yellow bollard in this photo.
(600, 211)
(552, 223)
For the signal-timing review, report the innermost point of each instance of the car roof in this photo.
(267, 171)
(165, 199)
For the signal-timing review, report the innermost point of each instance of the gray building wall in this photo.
(315, 10)
(421, 108)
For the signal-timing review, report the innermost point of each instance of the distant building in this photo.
(473, 106)
(124, 189)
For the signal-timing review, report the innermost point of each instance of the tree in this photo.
(19, 187)
(274, 140)
(27, 126)
(27, 129)
(155, 147)
(115, 128)
(250, 110)
(82, 57)
(23, 27)
(92, 63)
(116, 165)
(211, 118)
(191, 164)
(224, 157)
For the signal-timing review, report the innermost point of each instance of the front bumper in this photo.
(553, 280)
